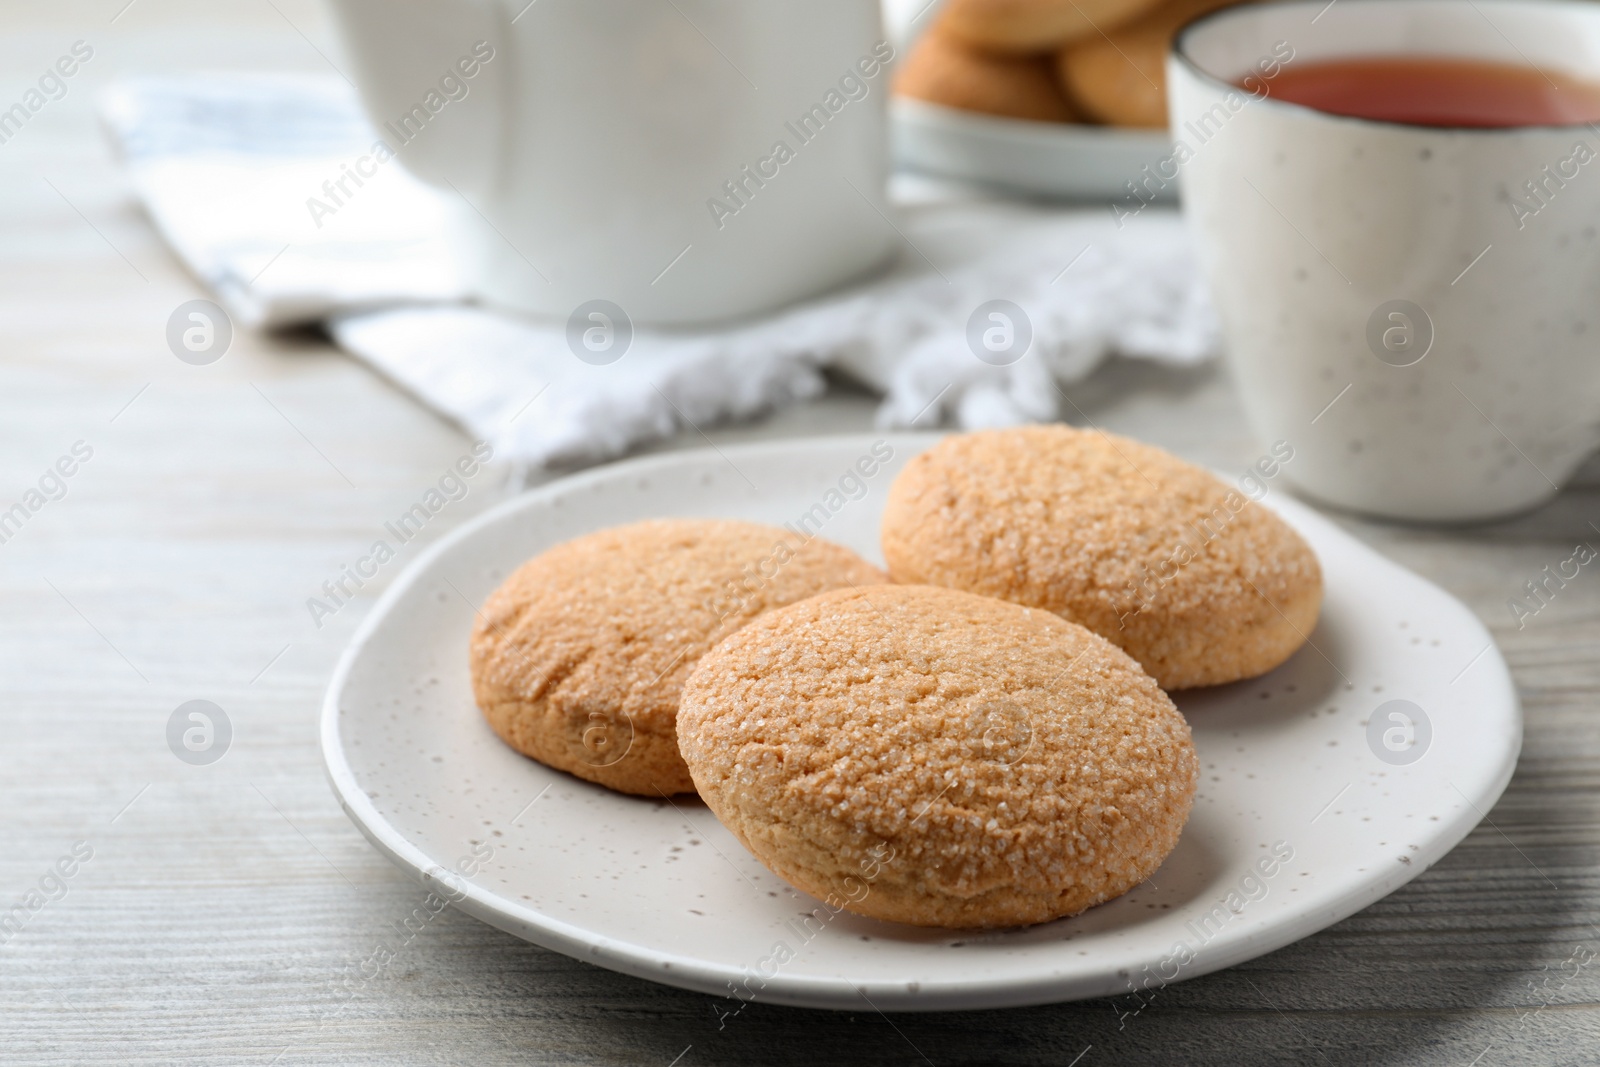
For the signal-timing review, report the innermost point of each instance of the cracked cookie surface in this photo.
(928, 756)
(1199, 584)
(579, 657)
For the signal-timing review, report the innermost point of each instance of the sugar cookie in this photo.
(1120, 77)
(1193, 580)
(579, 657)
(1035, 25)
(928, 756)
(944, 70)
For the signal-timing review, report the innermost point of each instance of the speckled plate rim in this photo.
(835, 992)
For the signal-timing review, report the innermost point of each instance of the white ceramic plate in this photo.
(662, 891)
(1047, 159)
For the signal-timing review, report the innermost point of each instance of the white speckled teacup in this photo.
(1413, 308)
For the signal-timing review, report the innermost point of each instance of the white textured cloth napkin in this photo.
(225, 165)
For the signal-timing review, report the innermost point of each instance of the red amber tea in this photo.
(1438, 91)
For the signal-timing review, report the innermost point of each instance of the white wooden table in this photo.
(222, 904)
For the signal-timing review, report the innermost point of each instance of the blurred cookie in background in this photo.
(942, 69)
(1119, 77)
(1021, 26)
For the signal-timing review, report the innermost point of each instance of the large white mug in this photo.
(1412, 308)
(683, 160)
